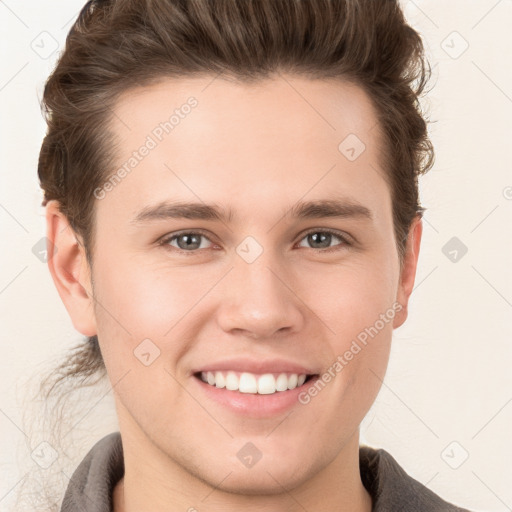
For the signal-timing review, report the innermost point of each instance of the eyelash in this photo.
(169, 238)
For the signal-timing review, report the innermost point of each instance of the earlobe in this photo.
(408, 273)
(69, 269)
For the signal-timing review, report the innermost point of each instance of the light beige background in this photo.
(448, 391)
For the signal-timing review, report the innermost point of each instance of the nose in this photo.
(259, 300)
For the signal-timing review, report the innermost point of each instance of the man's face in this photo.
(261, 292)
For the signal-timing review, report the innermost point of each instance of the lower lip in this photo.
(254, 405)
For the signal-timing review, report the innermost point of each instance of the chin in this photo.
(262, 482)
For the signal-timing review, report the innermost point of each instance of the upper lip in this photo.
(256, 366)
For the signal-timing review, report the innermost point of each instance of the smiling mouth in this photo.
(253, 383)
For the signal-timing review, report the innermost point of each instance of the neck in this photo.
(165, 485)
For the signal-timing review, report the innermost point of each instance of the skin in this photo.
(258, 149)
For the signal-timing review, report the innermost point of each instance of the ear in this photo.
(70, 270)
(408, 272)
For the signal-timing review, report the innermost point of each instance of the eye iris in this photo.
(318, 239)
(190, 241)
(313, 237)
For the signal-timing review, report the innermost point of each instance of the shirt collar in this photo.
(391, 488)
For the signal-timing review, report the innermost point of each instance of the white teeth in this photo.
(292, 381)
(220, 382)
(246, 382)
(232, 381)
(282, 382)
(266, 384)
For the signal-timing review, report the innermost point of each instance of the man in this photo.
(241, 234)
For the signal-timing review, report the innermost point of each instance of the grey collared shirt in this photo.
(391, 488)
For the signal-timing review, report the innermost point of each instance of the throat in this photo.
(118, 496)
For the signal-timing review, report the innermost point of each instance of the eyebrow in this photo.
(324, 208)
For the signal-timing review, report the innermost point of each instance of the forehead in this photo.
(271, 142)
(281, 106)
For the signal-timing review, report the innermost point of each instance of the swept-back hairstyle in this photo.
(117, 45)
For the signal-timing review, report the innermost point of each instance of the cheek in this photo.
(138, 316)
(354, 297)
(137, 303)
(148, 301)
(358, 306)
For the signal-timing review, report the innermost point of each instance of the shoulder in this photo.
(92, 483)
(391, 488)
